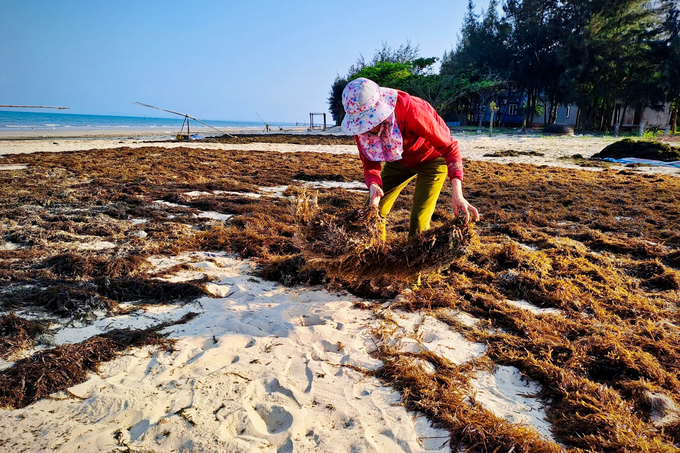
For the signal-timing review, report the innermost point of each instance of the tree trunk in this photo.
(607, 112)
(554, 108)
(481, 115)
(590, 120)
(529, 111)
(544, 103)
(624, 107)
(526, 110)
(674, 116)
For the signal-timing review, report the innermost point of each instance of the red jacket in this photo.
(426, 137)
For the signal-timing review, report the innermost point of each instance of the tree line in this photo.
(601, 55)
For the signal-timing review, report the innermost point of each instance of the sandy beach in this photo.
(266, 367)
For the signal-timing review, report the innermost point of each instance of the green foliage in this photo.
(670, 56)
(615, 58)
(455, 93)
(404, 54)
(399, 68)
(422, 66)
(592, 53)
(439, 90)
(386, 74)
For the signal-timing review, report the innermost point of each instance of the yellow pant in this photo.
(431, 177)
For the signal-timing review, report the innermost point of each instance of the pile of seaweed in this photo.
(602, 249)
(350, 245)
(640, 149)
(296, 139)
(513, 153)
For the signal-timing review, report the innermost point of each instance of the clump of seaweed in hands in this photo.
(351, 245)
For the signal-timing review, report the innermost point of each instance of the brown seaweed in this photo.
(52, 370)
(129, 289)
(59, 297)
(17, 334)
(80, 266)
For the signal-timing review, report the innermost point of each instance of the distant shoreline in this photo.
(143, 133)
(29, 124)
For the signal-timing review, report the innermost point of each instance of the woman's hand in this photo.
(375, 193)
(460, 205)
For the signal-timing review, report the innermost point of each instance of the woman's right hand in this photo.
(375, 193)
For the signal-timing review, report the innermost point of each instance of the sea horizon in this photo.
(16, 120)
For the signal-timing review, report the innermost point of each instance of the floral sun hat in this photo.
(366, 105)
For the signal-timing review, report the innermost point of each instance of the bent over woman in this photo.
(408, 135)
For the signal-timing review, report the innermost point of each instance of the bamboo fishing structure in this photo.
(266, 125)
(180, 136)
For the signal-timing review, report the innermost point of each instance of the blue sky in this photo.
(221, 60)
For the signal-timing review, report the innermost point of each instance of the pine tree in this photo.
(669, 54)
(609, 57)
(534, 40)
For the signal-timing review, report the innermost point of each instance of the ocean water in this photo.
(17, 120)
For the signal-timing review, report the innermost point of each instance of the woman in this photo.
(407, 134)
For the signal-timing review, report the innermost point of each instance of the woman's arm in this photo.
(426, 123)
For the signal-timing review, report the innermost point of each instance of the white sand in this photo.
(260, 368)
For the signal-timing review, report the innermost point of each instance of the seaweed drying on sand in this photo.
(17, 334)
(600, 249)
(56, 369)
(300, 139)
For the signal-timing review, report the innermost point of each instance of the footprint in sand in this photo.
(274, 386)
(270, 419)
(311, 320)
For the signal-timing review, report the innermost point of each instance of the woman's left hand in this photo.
(375, 194)
(460, 205)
